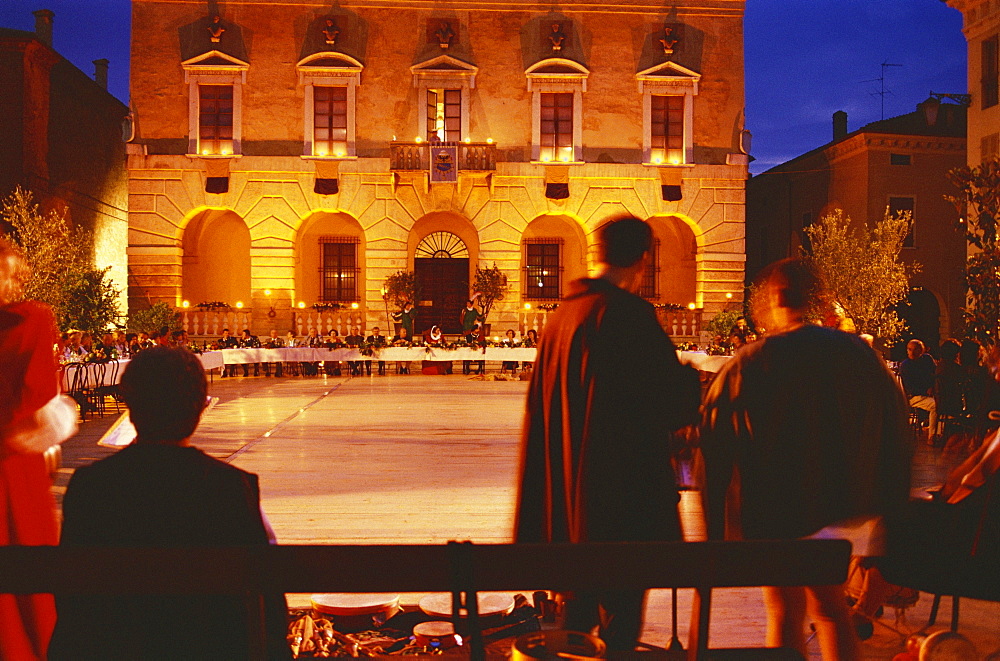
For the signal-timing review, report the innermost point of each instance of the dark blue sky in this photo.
(805, 59)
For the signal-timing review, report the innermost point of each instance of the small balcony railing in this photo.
(414, 156)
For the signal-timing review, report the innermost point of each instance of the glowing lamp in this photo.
(239, 304)
(185, 304)
(546, 159)
(657, 160)
(354, 306)
(267, 292)
(527, 306)
(691, 306)
(675, 161)
(496, 338)
(302, 304)
(321, 152)
(204, 152)
(340, 153)
(225, 152)
(489, 141)
(468, 140)
(419, 140)
(728, 295)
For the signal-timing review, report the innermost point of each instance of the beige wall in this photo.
(271, 186)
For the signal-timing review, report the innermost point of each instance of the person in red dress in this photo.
(27, 509)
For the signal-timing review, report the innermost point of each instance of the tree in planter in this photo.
(61, 272)
(490, 285)
(401, 288)
(861, 270)
(153, 318)
(978, 206)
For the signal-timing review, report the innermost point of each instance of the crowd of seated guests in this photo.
(957, 392)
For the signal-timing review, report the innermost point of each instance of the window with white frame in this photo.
(215, 100)
(444, 85)
(444, 115)
(330, 81)
(668, 92)
(557, 86)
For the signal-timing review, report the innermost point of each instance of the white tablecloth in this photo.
(106, 374)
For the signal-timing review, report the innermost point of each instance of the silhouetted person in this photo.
(803, 429)
(606, 393)
(162, 492)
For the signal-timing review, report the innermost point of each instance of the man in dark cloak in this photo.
(606, 395)
(804, 434)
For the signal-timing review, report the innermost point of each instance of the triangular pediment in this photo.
(669, 70)
(557, 66)
(444, 64)
(215, 59)
(330, 61)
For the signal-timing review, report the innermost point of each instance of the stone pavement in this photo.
(425, 459)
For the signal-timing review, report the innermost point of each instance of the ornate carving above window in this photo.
(215, 103)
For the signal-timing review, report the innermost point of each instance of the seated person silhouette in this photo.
(162, 492)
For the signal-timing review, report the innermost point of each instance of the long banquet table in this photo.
(108, 376)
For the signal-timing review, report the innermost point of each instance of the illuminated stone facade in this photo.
(981, 26)
(375, 137)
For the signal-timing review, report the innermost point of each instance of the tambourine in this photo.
(490, 604)
(557, 646)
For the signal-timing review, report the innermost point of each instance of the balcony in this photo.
(414, 156)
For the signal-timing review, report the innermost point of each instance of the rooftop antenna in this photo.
(881, 81)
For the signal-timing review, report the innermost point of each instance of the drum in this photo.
(557, 646)
(355, 612)
(436, 635)
(490, 604)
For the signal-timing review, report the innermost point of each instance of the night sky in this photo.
(805, 59)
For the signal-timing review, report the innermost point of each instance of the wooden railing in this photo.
(472, 156)
(460, 568)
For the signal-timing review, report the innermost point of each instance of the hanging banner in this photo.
(444, 163)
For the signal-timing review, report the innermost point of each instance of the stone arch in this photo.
(573, 251)
(677, 244)
(444, 281)
(215, 262)
(922, 313)
(314, 229)
(444, 221)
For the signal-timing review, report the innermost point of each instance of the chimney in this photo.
(101, 72)
(839, 124)
(43, 26)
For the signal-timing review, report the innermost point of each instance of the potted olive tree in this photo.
(401, 290)
(490, 285)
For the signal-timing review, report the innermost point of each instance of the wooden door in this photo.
(444, 287)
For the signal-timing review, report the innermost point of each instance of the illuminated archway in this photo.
(330, 259)
(216, 258)
(675, 260)
(551, 240)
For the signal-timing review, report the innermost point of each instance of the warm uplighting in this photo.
(527, 306)
(267, 292)
(205, 152)
(564, 158)
(496, 338)
(546, 158)
(185, 304)
(302, 304)
(419, 140)
(657, 159)
(354, 306)
(321, 152)
(225, 152)
(691, 306)
(489, 141)
(340, 153)
(675, 161)
(729, 295)
(239, 305)
(468, 140)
